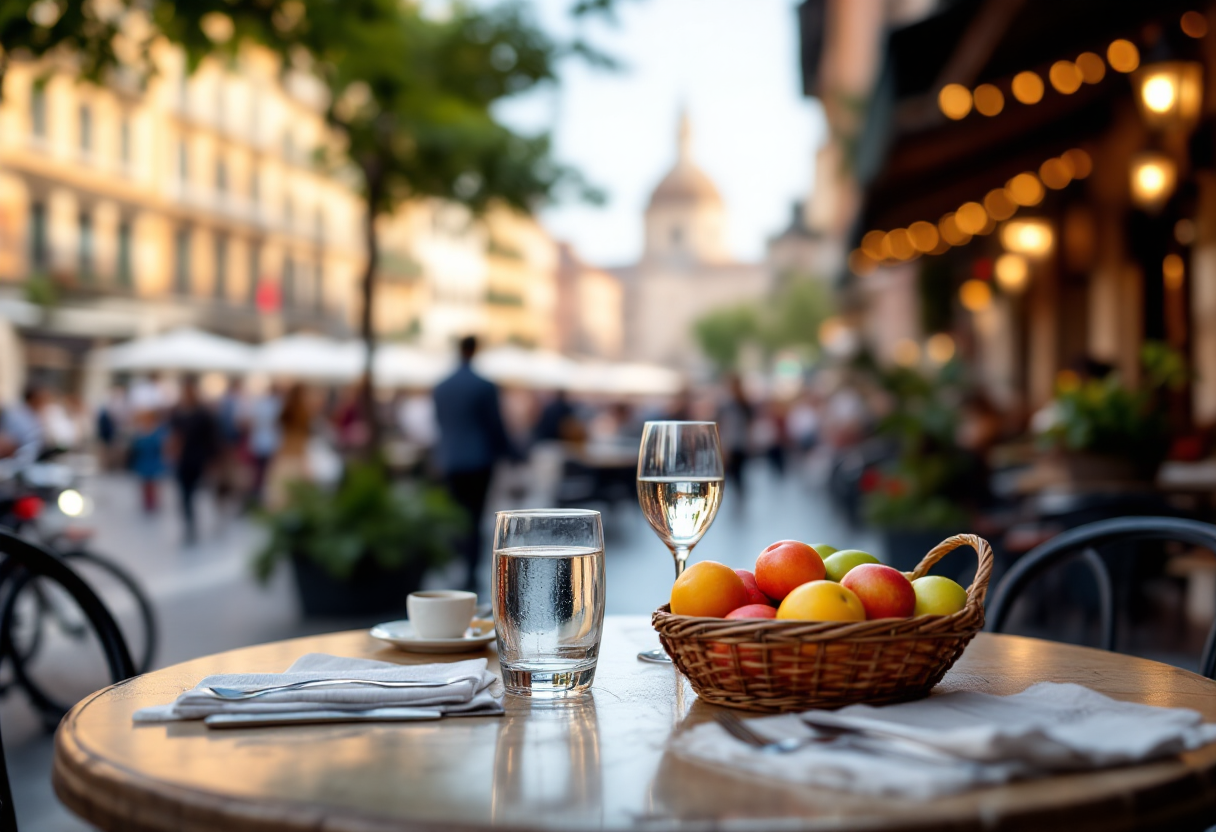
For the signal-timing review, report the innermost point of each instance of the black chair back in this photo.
(1087, 541)
(20, 554)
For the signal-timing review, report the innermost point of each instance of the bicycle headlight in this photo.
(71, 502)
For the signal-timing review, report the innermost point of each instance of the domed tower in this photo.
(685, 219)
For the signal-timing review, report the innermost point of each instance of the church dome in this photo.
(685, 184)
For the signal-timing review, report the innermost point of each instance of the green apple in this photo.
(839, 563)
(824, 550)
(936, 595)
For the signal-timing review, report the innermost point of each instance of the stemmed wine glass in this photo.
(680, 488)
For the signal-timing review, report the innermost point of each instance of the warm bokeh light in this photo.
(989, 100)
(1184, 231)
(1031, 237)
(899, 243)
(999, 205)
(1152, 179)
(1079, 163)
(1065, 77)
(860, 263)
(989, 226)
(971, 218)
(1012, 271)
(832, 332)
(1171, 92)
(924, 236)
(1159, 92)
(1194, 25)
(1173, 270)
(1028, 88)
(1025, 189)
(975, 295)
(1093, 68)
(947, 226)
(954, 101)
(1123, 56)
(906, 352)
(1055, 174)
(872, 245)
(939, 348)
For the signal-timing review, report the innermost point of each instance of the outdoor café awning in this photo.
(310, 357)
(185, 350)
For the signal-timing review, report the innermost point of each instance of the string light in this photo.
(954, 101)
(989, 100)
(1027, 87)
(971, 217)
(1065, 77)
(999, 205)
(1092, 67)
(1055, 174)
(1123, 56)
(924, 236)
(1025, 189)
(1011, 270)
(975, 295)
(947, 226)
(1194, 25)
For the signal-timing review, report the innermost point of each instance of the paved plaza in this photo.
(207, 600)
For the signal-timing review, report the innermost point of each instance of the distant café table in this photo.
(599, 763)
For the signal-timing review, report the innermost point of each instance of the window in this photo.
(84, 271)
(289, 281)
(38, 248)
(123, 267)
(183, 161)
(255, 259)
(86, 129)
(181, 261)
(38, 109)
(221, 176)
(124, 141)
(221, 267)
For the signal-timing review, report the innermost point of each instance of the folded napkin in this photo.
(476, 690)
(959, 741)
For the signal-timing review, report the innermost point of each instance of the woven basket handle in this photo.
(979, 586)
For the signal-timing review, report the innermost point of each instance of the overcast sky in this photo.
(734, 64)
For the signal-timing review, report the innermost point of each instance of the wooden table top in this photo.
(596, 763)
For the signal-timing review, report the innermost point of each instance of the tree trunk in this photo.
(367, 322)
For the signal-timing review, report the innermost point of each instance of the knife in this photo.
(316, 717)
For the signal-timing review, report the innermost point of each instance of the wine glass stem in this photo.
(680, 553)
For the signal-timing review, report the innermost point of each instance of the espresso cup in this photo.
(441, 613)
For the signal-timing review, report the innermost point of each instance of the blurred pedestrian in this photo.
(230, 424)
(734, 432)
(21, 428)
(291, 458)
(111, 418)
(146, 456)
(264, 438)
(195, 442)
(472, 439)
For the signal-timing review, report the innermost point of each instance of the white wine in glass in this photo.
(680, 476)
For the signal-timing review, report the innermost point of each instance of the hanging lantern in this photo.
(1153, 177)
(1029, 237)
(1170, 93)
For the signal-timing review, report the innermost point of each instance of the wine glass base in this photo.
(657, 656)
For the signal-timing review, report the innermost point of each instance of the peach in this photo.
(708, 589)
(821, 601)
(753, 611)
(785, 565)
(884, 592)
(753, 590)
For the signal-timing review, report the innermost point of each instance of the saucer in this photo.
(401, 634)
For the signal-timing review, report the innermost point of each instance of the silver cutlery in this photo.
(317, 717)
(237, 694)
(826, 734)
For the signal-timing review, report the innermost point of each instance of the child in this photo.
(147, 456)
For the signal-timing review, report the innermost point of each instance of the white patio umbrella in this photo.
(527, 368)
(402, 365)
(627, 379)
(310, 357)
(181, 350)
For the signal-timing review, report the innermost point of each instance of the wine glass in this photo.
(679, 488)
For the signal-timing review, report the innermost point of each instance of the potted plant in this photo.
(361, 549)
(1104, 430)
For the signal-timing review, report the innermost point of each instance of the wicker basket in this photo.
(767, 665)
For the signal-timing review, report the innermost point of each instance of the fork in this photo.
(738, 729)
(825, 734)
(237, 694)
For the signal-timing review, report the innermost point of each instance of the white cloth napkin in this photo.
(477, 691)
(980, 739)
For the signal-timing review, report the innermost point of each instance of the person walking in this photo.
(290, 462)
(146, 457)
(195, 443)
(265, 411)
(471, 439)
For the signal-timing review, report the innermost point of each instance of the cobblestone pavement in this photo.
(207, 601)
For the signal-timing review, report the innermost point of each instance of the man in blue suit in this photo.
(471, 439)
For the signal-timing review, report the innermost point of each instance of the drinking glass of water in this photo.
(548, 599)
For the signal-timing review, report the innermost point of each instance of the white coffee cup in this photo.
(441, 613)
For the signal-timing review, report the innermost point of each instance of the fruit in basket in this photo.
(753, 589)
(785, 565)
(936, 595)
(884, 592)
(838, 564)
(753, 611)
(708, 589)
(821, 601)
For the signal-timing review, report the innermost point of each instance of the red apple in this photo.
(753, 611)
(754, 595)
(884, 592)
(785, 565)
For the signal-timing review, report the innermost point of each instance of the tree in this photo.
(411, 95)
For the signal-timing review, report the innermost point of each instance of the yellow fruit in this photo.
(708, 589)
(821, 601)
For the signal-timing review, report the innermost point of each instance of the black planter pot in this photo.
(370, 590)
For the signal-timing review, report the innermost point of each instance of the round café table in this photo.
(595, 763)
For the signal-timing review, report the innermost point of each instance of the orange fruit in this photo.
(787, 564)
(821, 601)
(708, 589)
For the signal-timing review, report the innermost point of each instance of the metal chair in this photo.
(1087, 540)
(21, 555)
